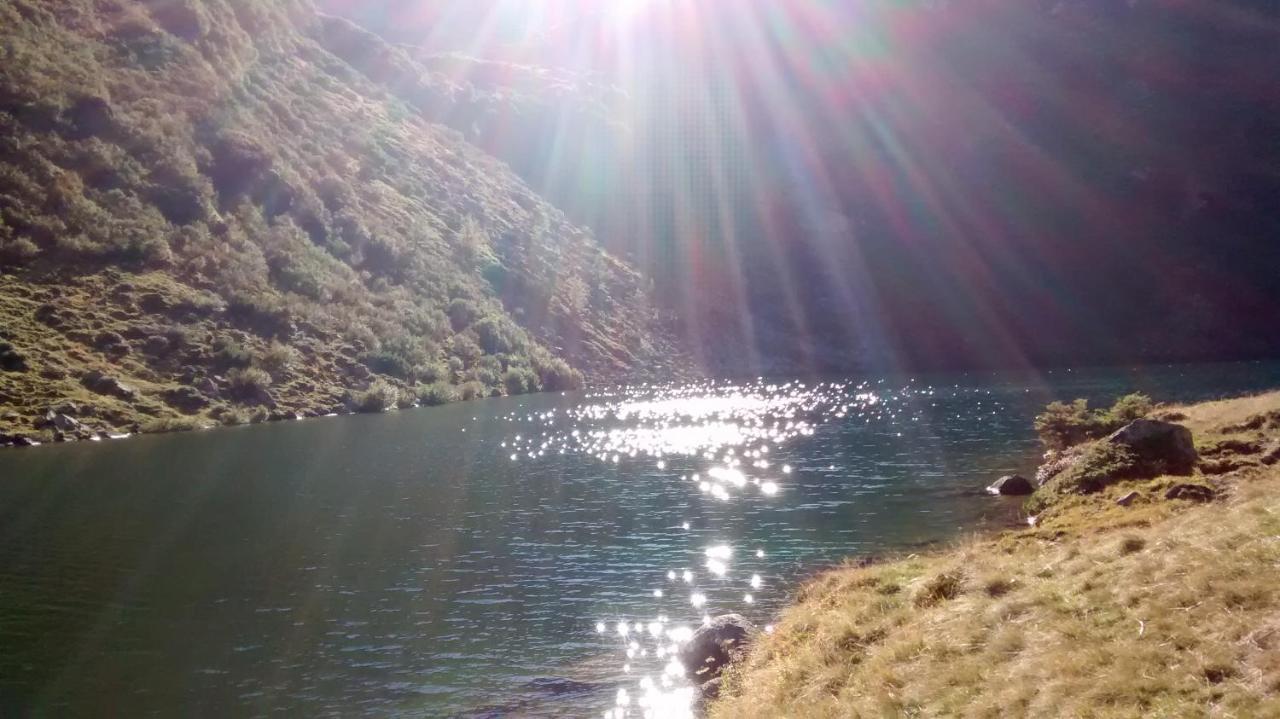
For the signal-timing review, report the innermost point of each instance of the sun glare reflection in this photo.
(729, 446)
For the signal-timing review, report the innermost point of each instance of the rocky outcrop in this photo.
(186, 399)
(1162, 447)
(101, 383)
(1190, 492)
(1128, 499)
(1142, 449)
(713, 647)
(1012, 485)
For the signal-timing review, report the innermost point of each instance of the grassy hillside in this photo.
(1162, 608)
(203, 204)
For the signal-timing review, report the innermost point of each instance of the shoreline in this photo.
(1002, 623)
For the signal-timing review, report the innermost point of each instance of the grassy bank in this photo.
(1164, 607)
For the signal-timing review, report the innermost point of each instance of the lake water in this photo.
(516, 557)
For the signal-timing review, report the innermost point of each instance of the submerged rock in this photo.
(1012, 485)
(713, 647)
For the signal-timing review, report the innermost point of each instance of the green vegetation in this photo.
(380, 397)
(1155, 607)
(1099, 465)
(1064, 425)
(437, 394)
(198, 194)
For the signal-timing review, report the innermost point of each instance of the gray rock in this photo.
(1127, 499)
(1162, 447)
(65, 424)
(98, 382)
(1012, 485)
(1190, 492)
(713, 647)
(186, 399)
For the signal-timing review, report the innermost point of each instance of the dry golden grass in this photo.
(1210, 417)
(1160, 609)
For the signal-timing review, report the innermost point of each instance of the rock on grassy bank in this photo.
(1132, 600)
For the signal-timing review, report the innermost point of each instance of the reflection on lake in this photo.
(540, 556)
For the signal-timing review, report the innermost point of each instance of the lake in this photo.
(532, 556)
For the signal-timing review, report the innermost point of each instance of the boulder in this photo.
(1190, 492)
(1161, 447)
(186, 399)
(1127, 499)
(207, 386)
(713, 647)
(1271, 454)
(98, 382)
(64, 423)
(1012, 485)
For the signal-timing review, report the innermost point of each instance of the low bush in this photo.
(170, 424)
(519, 381)
(380, 397)
(278, 359)
(1063, 425)
(248, 382)
(228, 353)
(437, 393)
(471, 390)
(1100, 466)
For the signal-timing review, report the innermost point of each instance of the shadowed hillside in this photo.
(204, 214)
(828, 186)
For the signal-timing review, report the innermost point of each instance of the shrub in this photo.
(437, 393)
(938, 588)
(462, 314)
(228, 353)
(1063, 425)
(170, 424)
(1098, 467)
(248, 382)
(380, 397)
(519, 381)
(278, 359)
(557, 376)
(10, 359)
(1131, 407)
(432, 372)
(497, 336)
(17, 250)
(471, 390)
(398, 357)
(263, 313)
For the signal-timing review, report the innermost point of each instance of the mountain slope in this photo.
(202, 204)
(985, 183)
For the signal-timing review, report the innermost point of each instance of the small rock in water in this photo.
(714, 646)
(1012, 485)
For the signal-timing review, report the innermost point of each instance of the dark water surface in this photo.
(462, 561)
